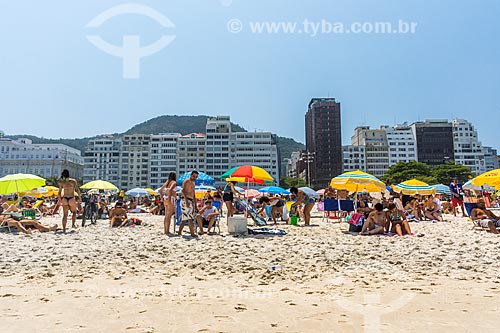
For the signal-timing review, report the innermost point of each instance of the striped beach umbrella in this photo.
(357, 181)
(413, 187)
(203, 179)
(442, 189)
(252, 172)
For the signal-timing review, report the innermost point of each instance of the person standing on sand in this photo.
(188, 204)
(457, 198)
(68, 188)
(303, 198)
(169, 199)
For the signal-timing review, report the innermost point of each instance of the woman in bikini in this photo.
(169, 196)
(397, 219)
(431, 210)
(68, 188)
(303, 198)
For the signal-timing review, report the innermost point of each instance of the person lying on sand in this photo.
(22, 224)
(375, 222)
(485, 217)
(117, 216)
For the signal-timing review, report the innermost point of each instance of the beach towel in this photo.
(266, 231)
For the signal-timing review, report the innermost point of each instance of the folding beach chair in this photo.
(217, 205)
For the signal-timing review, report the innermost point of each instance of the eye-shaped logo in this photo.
(131, 51)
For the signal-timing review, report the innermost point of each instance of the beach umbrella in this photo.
(491, 178)
(252, 193)
(99, 185)
(274, 190)
(203, 179)
(413, 187)
(228, 173)
(442, 189)
(321, 192)
(470, 186)
(252, 172)
(137, 192)
(357, 181)
(201, 190)
(309, 191)
(20, 182)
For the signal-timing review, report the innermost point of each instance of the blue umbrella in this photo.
(309, 191)
(274, 190)
(203, 179)
(442, 189)
(137, 192)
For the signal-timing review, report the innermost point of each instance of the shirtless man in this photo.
(375, 222)
(22, 224)
(188, 204)
(69, 187)
(486, 218)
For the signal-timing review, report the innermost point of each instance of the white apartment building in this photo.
(163, 158)
(490, 158)
(45, 160)
(468, 149)
(218, 139)
(191, 153)
(134, 168)
(401, 142)
(291, 164)
(257, 149)
(354, 158)
(102, 160)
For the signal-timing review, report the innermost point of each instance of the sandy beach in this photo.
(314, 279)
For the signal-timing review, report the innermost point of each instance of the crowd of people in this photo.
(372, 215)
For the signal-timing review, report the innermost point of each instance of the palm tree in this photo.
(52, 181)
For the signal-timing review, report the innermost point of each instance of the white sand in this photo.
(138, 280)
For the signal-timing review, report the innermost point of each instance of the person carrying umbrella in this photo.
(68, 188)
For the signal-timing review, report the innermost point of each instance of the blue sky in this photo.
(55, 83)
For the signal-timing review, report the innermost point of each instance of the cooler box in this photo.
(237, 225)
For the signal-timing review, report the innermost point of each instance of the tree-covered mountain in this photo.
(169, 124)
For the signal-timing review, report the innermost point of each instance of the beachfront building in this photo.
(323, 140)
(102, 160)
(191, 153)
(291, 164)
(218, 138)
(434, 141)
(163, 154)
(354, 158)
(45, 160)
(257, 149)
(134, 167)
(468, 149)
(490, 158)
(401, 142)
(376, 148)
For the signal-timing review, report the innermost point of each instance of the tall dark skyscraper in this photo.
(324, 139)
(434, 141)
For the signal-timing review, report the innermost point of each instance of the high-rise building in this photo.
(257, 149)
(490, 159)
(401, 141)
(135, 161)
(324, 139)
(468, 149)
(162, 157)
(376, 148)
(291, 164)
(434, 140)
(191, 153)
(217, 146)
(102, 160)
(45, 160)
(354, 158)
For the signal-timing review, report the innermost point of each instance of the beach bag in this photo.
(357, 219)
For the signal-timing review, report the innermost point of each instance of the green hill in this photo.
(169, 124)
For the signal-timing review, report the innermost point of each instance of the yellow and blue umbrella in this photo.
(357, 181)
(414, 187)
